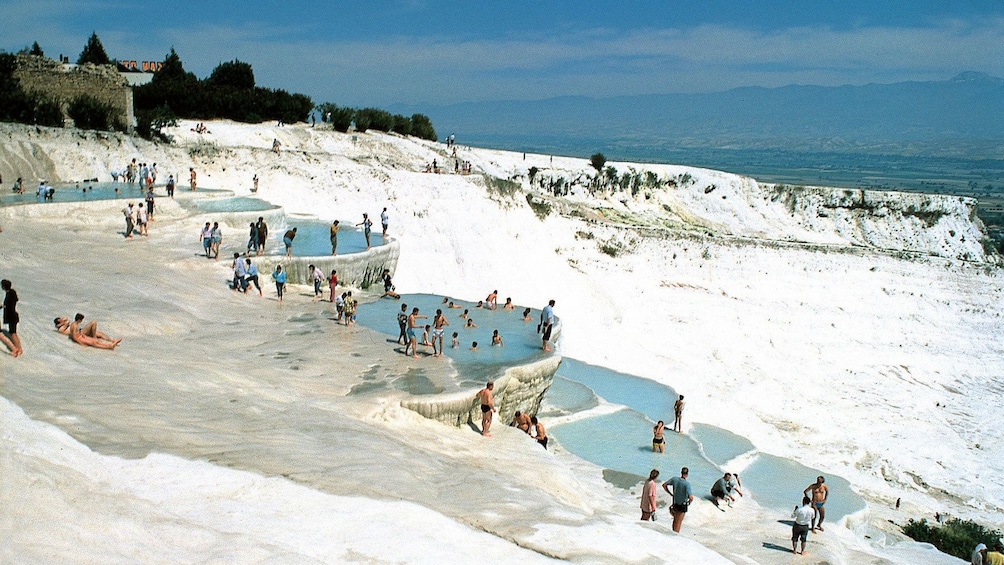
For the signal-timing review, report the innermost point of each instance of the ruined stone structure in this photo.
(64, 82)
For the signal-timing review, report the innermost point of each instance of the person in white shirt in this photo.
(803, 516)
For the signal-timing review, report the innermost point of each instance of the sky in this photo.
(378, 53)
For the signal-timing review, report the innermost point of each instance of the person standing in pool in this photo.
(658, 441)
(439, 324)
(492, 301)
(411, 334)
(383, 222)
(334, 238)
(678, 415)
(279, 276)
(287, 240)
(682, 497)
(11, 318)
(191, 178)
(402, 324)
(367, 225)
(262, 235)
(487, 407)
(819, 495)
(547, 323)
(648, 493)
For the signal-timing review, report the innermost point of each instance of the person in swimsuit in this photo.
(539, 433)
(412, 337)
(526, 315)
(470, 323)
(487, 407)
(367, 225)
(497, 339)
(492, 302)
(388, 285)
(819, 495)
(678, 412)
(332, 285)
(455, 342)
(658, 442)
(648, 493)
(521, 421)
(508, 304)
(334, 238)
(191, 178)
(439, 324)
(682, 497)
(88, 335)
(425, 335)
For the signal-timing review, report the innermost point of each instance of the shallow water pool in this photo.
(236, 204)
(313, 238)
(621, 441)
(83, 192)
(522, 343)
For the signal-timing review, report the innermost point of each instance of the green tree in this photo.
(234, 74)
(36, 50)
(340, 118)
(597, 160)
(402, 124)
(421, 127)
(93, 52)
(90, 113)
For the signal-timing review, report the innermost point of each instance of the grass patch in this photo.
(541, 208)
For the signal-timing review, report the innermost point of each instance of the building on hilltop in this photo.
(63, 82)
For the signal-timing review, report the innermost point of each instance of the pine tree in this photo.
(93, 52)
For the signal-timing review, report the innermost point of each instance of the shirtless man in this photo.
(658, 441)
(88, 335)
(439, 324)
(412, 337)
(487, 407)
(818, 497)
(521, 421)
(538, 432)
(492, 301)
(191, 178)
(678, 411)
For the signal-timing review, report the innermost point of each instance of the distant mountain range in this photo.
(963, 116)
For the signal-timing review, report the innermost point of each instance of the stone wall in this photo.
(65, 82)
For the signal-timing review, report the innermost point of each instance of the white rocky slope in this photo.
(854, 332)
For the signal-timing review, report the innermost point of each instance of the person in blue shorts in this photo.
(819, 495)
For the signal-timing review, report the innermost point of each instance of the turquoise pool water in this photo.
(236, 204)
(522, 342)
(313, 238)
(83, 192)
(621, 441)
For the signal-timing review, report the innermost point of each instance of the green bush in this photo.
(955, 537)
(597, 160)
(90, 113)
(421, 127)
(93, 52)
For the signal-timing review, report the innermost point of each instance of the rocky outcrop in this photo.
(520, 388)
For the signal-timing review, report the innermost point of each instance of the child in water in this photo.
(455, 343)
(497, 339)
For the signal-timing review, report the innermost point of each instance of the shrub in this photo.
(90, 113)
(956, 537)
(421, 127)
(541, 208)
(597, 160)
(149, 123)
(503, 187)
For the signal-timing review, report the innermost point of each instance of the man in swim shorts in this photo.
(487, 406)
(412, 337)
(88, 335)
(439, 324)
(521, 421)
(658, 441)
(682, 497)
(819, 495)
